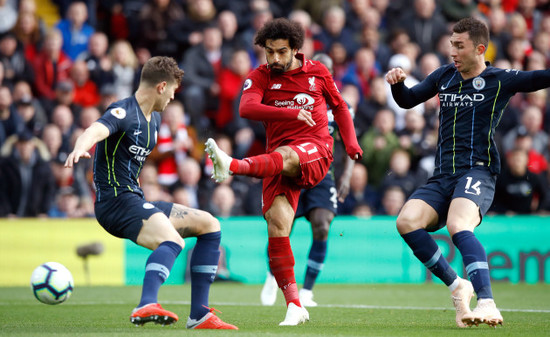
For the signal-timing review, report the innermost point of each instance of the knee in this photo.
(320, 232)
(320, 226)
(213, 225)
(406, 223)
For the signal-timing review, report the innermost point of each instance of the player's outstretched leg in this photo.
(157, 270)
(264, 165)
(475, 261)
(220, 159)
(269, 290)
(461, 298)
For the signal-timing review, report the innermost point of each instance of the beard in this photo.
(280, 68)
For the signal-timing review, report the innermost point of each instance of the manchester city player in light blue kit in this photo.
(125, 135)
(473, 96)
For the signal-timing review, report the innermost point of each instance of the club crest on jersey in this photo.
(118, 113)
(247, 84)
(304, 99)
(478, 83)
(311, 81)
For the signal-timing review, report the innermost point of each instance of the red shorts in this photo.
(315, 160)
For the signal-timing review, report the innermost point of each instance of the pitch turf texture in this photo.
(345, 310)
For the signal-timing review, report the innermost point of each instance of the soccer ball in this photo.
(52, 283)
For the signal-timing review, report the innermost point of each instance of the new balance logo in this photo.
(276, 86)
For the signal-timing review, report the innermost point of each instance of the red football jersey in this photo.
(275, 99)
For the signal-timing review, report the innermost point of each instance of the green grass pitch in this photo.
(345, 310)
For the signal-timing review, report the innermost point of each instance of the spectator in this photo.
(202, 65)
(536, 162)
(29, 29)
(367, 109)
(12, 56)
(393, 199)
(22, 91)
(454, 10)
(88, 116)
(531, 122)
(75, 31)
(66, 205)
(174, 143)
(227, 21)
(415, 137)
(370, 38)
(230, 81)
(424, 24)
(27, 112)
(499, 36)
(222, 203)
(64, 95)
(26, 183)
(63, 118)
(200, 14)
(51, 65)
(518, 191)
(10, 121)
(52, 138)
(85, 90)
(124, 67)
(159, 21)
(189, 175)
(334, 30)
(401, 174)
(379, 142)
(361, 72)
(8, 13)
(403, 62)
(97, 60)
(360, 192)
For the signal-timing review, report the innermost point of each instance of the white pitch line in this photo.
(343, 306)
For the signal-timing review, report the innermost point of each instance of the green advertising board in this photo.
(369, 250)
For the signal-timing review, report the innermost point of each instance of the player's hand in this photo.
(74, 156)
(304, 115)
(395, 75)
(343, 189)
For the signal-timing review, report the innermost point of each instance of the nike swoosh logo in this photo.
(443, 87)
(137, 132)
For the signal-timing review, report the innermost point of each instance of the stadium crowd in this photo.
(55, 81)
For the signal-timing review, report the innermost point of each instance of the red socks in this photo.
(265, 165)
(281, 261)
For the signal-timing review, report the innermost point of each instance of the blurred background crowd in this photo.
(63, 62)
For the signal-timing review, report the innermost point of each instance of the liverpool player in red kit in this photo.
(289, 95)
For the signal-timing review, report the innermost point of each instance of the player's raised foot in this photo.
(220, 159)
(461, 297)
(295, 315)
(485, 312)
(269, 291)
(306, 298)
(209, 321)
(152, 312)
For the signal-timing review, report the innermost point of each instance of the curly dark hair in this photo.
(281, 28)
(161, 68)
(478, 31)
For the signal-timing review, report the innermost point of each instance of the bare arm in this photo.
(95, 133)
(343, 182)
